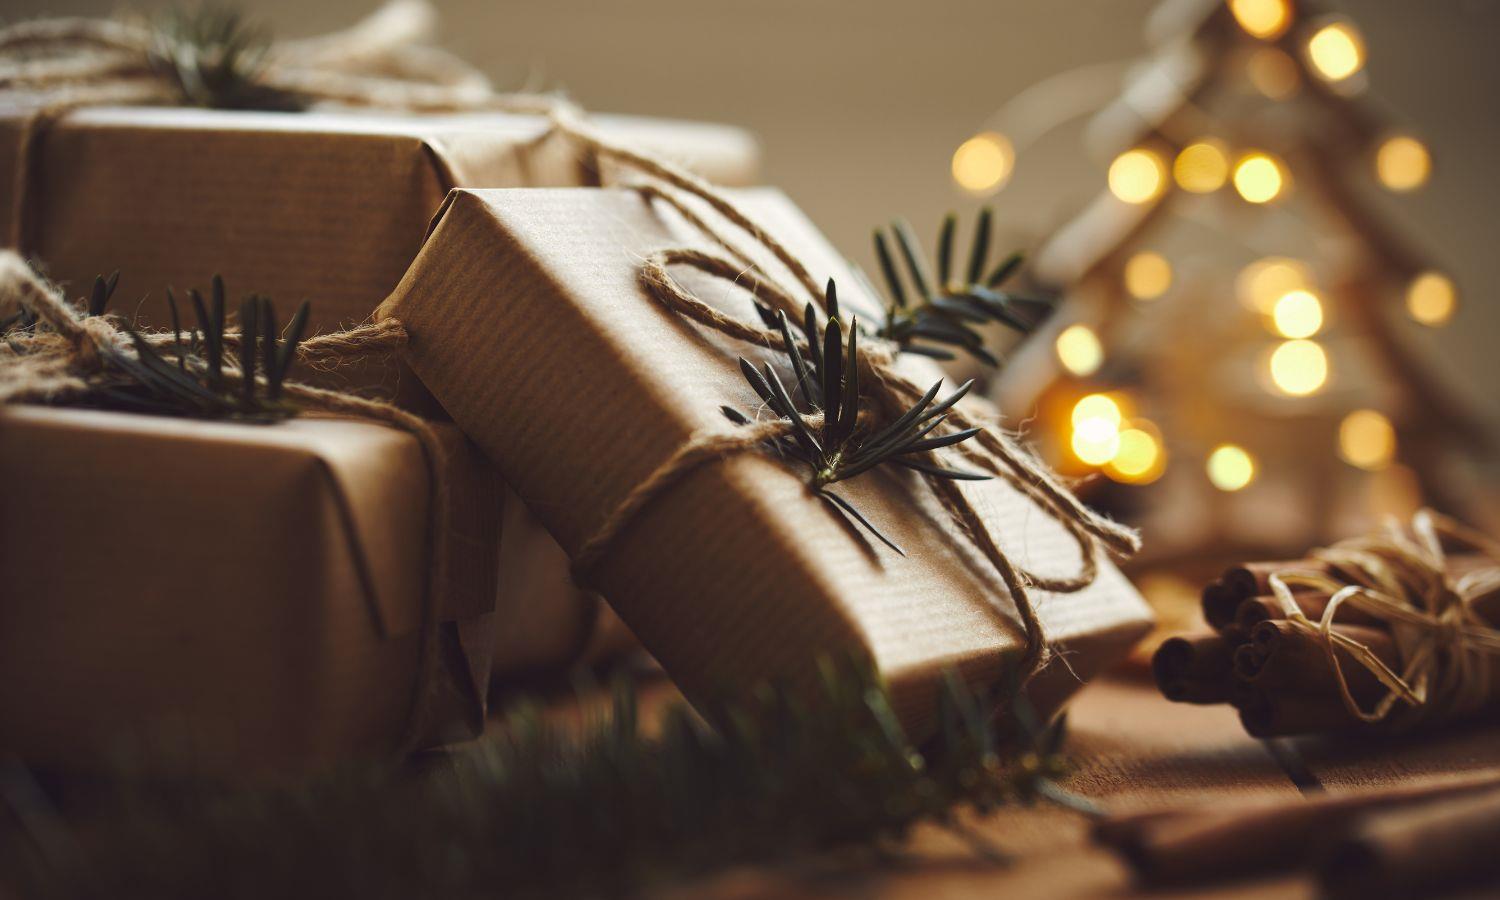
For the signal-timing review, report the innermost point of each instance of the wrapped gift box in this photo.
(531, 327)
(324, 206)
(231, 597)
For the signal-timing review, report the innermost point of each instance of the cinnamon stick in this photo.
(1439, 846)
(1194, 669)
(1218, 843)
(1295, 688)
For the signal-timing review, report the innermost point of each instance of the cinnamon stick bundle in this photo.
(1278, 676)
(1194, 846)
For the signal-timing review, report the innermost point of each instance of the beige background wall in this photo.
(860, 104)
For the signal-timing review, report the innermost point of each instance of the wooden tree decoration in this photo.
(1231, 328)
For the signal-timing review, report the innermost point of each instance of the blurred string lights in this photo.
(1282, 290)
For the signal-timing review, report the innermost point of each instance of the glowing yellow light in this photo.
(1265, 19)
(1298, 314)
(1273, 73)
(1402, 163)
(1140, 458)
(1096, 429)
(984, 162)
(1201, 167)
(1336, 50)
(1230, 467)
(1079, 350)
(1431, 298)
(1259, 177)
(1265, 281)
(1367, 440)
(1299, 368)
(1147, 275)
(1095, 442)
(1100, 407)
(1137, 176)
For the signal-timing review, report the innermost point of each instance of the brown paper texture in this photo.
(529, 325)
(323, 206)
(329, 207)
(248, 596)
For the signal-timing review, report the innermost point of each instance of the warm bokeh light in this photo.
(1367, 440)
(1299, 368)
(1137, 176)
(1265, 281)
(1140, 458)
(1147, 275)
(1265, 19)
(1298, 314)
(1079, 350)
(1431, 298)
(1273, 73)
(1202, 167)
(1230, 467)
(1102, 407)
(1096, 429)
(984, 162)
(1259, 177)
(1336, 51)
(1402, 163)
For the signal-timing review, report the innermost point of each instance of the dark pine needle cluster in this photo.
(943, 312)
(827, 432)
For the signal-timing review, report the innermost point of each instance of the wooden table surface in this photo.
(1135, 751)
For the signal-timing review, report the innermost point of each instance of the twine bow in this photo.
(891, 392)
(1398, 577)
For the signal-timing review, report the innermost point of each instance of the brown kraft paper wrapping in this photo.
(322, 206)
(331, 207)
(528, 323)
(252, 594)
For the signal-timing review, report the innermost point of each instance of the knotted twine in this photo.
(891, 393)
(1398, 576)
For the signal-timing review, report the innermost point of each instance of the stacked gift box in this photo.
(257, 593)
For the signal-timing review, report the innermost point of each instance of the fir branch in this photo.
(827, 433)
(539, 810)
(942, 311)
(215, 58)
(192, 382)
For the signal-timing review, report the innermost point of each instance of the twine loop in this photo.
(1398, 576)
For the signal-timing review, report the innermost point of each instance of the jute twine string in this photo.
(1398, 577)
(891, 392)
(66, 357)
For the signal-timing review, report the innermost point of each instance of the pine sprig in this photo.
(189, 379)
(215, 58)
(942, 311)
(827, 434)
(539, 810)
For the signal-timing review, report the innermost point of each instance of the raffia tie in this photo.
(892, 393)
(62, 360)
(1398, 576)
